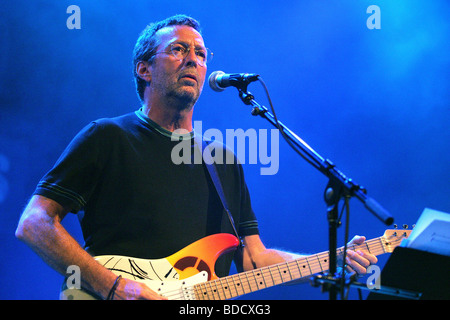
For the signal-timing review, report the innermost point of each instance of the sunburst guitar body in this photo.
(189, 273)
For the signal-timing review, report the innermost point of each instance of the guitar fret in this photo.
(294, 270)
(267, 277)
(241, 283)
(289, 270)
(248, 285)
(196, 292)
(309, 266)
(223, 288)
(237, 286)
(205, 292)
(198, 295)
(271, 275)
(382, 245)
(254, 279)
(321, 269)
(303, 267)
(202, 291)
(228, 287)
(285, 273)
(313, 265)
(210, 291)
(281, 274)
(213, 292)
(220, 290)
(251, 286)
(324, 265)
(277, 273)
(260, 283)
(298, 268)
(217, 289)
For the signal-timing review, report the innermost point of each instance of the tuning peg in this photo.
(405, 226)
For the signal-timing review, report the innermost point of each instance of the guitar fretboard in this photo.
(246, 282)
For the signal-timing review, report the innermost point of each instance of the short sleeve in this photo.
(73, 178)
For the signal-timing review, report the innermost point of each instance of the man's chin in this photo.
(186, 97)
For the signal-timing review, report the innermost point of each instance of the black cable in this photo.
(280, 128)
(346, 235)
(346, 202)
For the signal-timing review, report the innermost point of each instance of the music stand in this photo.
(418, 271)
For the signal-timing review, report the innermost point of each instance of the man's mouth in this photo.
(189, 76)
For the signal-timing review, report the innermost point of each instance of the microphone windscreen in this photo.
(212, 80)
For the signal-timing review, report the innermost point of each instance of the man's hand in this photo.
(358, 261)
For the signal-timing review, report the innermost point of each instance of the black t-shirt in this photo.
(133, 200)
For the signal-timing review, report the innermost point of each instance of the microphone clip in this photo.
(245, 96)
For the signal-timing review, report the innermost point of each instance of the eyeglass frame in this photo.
(187, 49)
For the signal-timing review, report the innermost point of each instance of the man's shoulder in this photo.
(108, 128)
(122, 123)
(117, 121)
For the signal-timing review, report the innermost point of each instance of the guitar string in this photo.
(249, 286)
(378, 246)
(214, 294)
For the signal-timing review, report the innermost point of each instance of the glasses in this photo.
(180, 52)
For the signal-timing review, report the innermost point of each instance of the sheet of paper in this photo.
(431, 233)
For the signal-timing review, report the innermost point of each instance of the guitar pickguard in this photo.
(140, 269)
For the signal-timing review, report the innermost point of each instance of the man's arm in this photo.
(256, 255)
(40, 227)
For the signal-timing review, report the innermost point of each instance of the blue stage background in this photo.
(375, 102)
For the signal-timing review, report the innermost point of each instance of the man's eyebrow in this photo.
(185, 44)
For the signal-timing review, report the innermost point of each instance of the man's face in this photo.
(172, 78)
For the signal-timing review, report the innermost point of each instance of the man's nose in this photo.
(191, 57)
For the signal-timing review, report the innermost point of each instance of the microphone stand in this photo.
(338, 187)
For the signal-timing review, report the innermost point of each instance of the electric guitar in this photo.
(189, 273)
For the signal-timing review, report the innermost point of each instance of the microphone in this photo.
(218, 80)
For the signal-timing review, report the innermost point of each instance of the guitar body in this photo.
(189, 273)
(173, 276)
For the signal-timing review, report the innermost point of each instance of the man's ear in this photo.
(143, 71)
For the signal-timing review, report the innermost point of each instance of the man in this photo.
(136, 201)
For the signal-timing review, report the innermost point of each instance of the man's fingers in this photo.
(359, 260)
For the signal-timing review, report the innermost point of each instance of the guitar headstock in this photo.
(393, 237)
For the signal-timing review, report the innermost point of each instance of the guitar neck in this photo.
(250, 281)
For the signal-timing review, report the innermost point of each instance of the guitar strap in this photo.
(210, 165)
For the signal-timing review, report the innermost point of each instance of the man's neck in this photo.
(170, 119)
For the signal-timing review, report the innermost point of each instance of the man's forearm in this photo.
(44, 233)
(273, 256)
